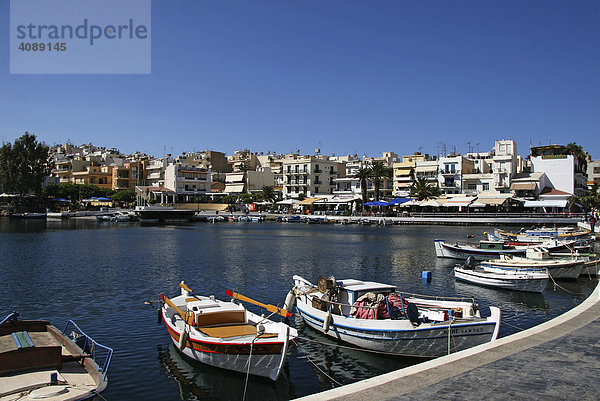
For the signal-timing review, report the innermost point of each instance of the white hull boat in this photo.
(38, 361)
(419, 327)
(226, 335)
(530, 281)
(486, 250)
(557, 268)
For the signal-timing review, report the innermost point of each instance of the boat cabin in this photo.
(208, 312)
(483, 244)
(350, 290)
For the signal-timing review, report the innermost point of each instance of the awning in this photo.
(403, 184)
(546, 203)
(458, 202)
(523, 186)
(431, 202)
(234, 188)
(492, 201)
(288, 202)
(428, 169)
(477, 204)
(309, 201)
(402, 172)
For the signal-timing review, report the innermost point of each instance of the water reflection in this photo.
(197, 381)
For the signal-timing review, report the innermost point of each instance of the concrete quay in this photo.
(556, 360)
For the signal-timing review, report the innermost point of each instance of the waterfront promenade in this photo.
(557, 360)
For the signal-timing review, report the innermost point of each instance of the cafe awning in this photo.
(546, 203)
(309, 201)
(458, 202)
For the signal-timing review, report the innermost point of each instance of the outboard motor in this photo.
(470, 263)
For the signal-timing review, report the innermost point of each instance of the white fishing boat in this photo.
(530, 281)
(38, 361)
(482, 251)
(535, 260)
(536, 236)
(227, 335)
(374, 316)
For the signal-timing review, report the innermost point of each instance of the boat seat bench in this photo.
(234, 330)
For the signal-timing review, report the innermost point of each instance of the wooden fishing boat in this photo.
(529, 281)
(227, 335)
(39, 361)
(392, 323)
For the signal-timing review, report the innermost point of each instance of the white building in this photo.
(451, 173)
(308, 175)
(563, 171)
(187, 182)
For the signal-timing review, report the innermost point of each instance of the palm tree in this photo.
(268, 194)
(421, 189)
(363, 175)
(379, 172)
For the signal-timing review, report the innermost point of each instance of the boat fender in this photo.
(183, 338)
(159, 315)
(290, 300)
(413, 314)
(327, 322)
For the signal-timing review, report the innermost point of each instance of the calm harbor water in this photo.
(99, 274)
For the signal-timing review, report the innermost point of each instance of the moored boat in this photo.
(374, 316)
(227, 335)
(485, 250)
(39, 361)
(558, 268)
(530, 281)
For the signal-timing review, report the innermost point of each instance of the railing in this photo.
(11, 316)
(101, 354)
(497, 214)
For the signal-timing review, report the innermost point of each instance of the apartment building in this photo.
(404, 173)
(187, 182)
(249, 181)
(451, 172)
(309, 175)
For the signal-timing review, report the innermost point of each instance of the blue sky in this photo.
(346, 76)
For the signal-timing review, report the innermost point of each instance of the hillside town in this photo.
(544, 180)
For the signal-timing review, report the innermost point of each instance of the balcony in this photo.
(444, 172)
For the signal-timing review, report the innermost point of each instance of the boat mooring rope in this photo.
(248, 371)
(561, 287)
(344, 346)
(317, 366)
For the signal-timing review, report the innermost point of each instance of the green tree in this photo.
(363, 176)
(24, 165)
(577, 151)
(379, 172)
(127, 195)
(421, 189)
(268, 194)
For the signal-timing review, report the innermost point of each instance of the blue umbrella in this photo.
(399, 201)
(60, 200)
(376, 203)
(101, 198)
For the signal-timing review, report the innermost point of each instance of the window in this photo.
(486, 186)
(472, 187)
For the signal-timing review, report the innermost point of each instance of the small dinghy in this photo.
(38, 361)
(225, 334)
(374, 316)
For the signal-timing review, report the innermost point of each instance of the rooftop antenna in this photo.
(477, 147)
(469, 147)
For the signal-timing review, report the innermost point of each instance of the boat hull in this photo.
(444, 250)
(256, 356)
(399, 337)
(517, 282)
